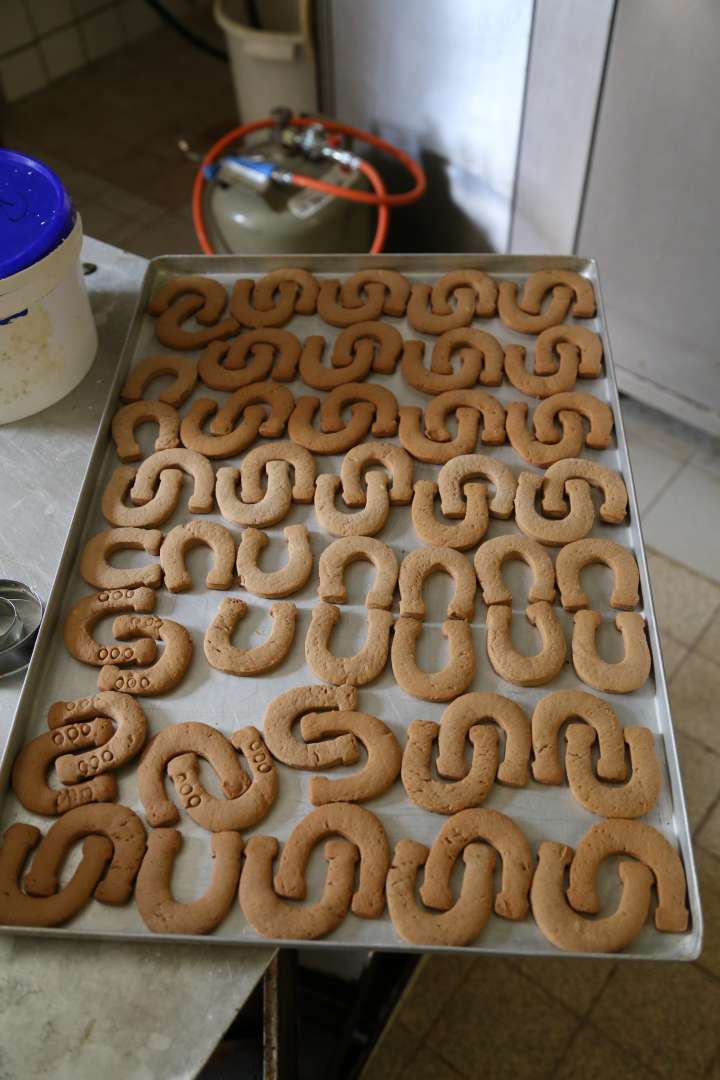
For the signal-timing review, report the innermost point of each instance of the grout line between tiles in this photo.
(656, 499)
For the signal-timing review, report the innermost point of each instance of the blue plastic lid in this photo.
(35, 211)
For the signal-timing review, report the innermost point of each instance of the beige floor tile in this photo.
(659, 431)
(700, 769)
(502, 1026)
(101, 221)
(427, 1065)
(392, 1054)
(709, 642)
(667, 1018)
(674, 652)
(708, 836)
(684, 601)
(173, 187)
(708, 868)
(593, 1056)
(435, 981)
(684, 522)
(169, 234)
(576, 983)
(694, 696)
(652, 471)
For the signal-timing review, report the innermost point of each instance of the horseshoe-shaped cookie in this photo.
(619, 837)
(332, 309)
(160, 912)
(31, 766)
(383, 401)
(287, 709)
(274, 584)
(18, 909)
(564, 927)
(96, 570)
(576, 524)
(88, 611)
(481, 361)
(614, 506)
(127, 741)
(597, 413)
(254, 464)
(211, 292)
(301, 430)
(464, 715)
(422, 448)
(538, 284)
(501, 833)
(340, 554)
(278, 400)
(491, 556)
(219, 446)
(459, 926)
(306, 289)
(468, 467)
(572, 559)
(184, 538)
(515, 318)
(357, 350)
(626, 675)
(384, 756)
(271, 508)
(121, 826)
(275, 918)
(461, 535)
(195, 465)
(244, 310)
(633, 799)
(221, 815)
(354, 292)
(587, 344)
(178, 739)
(488, 408)
(170, 332)
(359, 826)
(152, 367)
(419, 564)
(450, 681)
(131, 416)
(225, 657)
(552, 711)
(516, 667)
(274, 354)
(438, 796)
(393, 458)
(169, 669)
(365, 522)
(153, 513)
(365, 666)
(422, 316)
(541, 386)
(483, 286)
(539, 453)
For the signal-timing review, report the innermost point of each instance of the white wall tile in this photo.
(63, 51)
(22, 73)
(137, 18)
(16, 27)
(48, 15)
(102, 32)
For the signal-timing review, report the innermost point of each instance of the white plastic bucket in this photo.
(48, 338)
(274, 65)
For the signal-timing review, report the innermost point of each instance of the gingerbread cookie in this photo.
(219, 446)
(340, 554)
(384, 756)
(162, 676)
(354, 290)
(588, 346)
(275, 918)
(394, 459)
(88, 611)
(18, 909)
(274, 354)
(129, 417)
(627, 674)
(356, 351)
(253, 470)
(119, 748)
(516, 318)
(184, 538)
(286, 710)
(359, 826)
(541, 386)
(154, 512)
(365, 666)
(365, 522)
(160, 912)
(493, 554)
(501, 833)
(332, 309)
(558, 477)
(242, 812)
(437, 453)
(597, 413)
(279, 404)
(538, 284)
(488, 408)
(31, 766)
(301, 430)
(443, 685)
(644, 843)
(564, 927)
(633, 799)
(516, 667)
(422, 315)
(211, 292)
(96, 570)
(577, 523)
(464, 715)
(552, 711)
(383, 401)
(483, 286)
(224, 656)
(438, 796)
(244, 310)
(171, 742)
(539, 453)
(153, 367)
(419, 564)
(461, 535)
(271, 508)
(169, 329)
(464, 921)
(306, 289)
(275, 583)
(193, 464)
(481, 361)
(461, 470)
(118, 823)
(573, 558)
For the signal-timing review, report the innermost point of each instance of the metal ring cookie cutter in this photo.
(21, 612)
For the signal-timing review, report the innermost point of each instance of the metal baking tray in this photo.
(227, 702)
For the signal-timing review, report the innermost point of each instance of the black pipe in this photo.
(189, 35)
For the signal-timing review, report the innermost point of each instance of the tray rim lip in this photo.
(431, 262)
